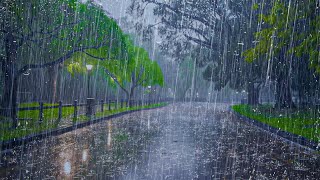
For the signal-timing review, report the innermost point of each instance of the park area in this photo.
(159, 89)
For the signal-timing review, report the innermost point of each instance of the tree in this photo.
(196, 21)
(221, 29)
(136, 70)
(283, 36)
(42, 34)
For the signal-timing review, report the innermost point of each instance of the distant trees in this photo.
(221, 30)
(249, 43)
(202, 22)
(38, 34)
(189, 82)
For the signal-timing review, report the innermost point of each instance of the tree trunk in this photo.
(283, 94)
(53, 75)
(131, 96)
(10, 93)
(10, 89)
(133, 85)
(253, 94)
(184, 98)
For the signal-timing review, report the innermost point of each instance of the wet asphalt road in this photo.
(181, 141)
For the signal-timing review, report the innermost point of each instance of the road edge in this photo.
(6, 145)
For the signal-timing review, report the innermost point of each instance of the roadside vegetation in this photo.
(53, 49)
(303, 122)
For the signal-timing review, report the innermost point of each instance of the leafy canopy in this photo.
(289, 29)
(51, 31)
(136, 68)
(133, 66)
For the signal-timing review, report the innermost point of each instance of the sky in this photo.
(117, 8)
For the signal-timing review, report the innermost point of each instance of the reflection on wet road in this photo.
(175, 142)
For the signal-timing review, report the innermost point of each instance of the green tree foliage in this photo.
(274, 41)
(276, 35)
(230, 69)
(133, 69)
(288, 38)
(40, 34)
(137, 69)
(308, 36)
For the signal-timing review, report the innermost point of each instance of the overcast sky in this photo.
(117, 8)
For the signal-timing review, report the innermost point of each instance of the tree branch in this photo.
(116, 80)
(59, 60)
(201, 42)
(139, 79)
(55, 29)
(95, 57)
(181, 13)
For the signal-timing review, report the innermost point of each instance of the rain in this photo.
(159, 89)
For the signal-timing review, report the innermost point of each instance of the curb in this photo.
(5, 145)
(300, 140)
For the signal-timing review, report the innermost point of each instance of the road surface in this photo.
(180, 141)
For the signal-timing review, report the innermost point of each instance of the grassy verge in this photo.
(29, 120)
(35, 104)
(303, 122)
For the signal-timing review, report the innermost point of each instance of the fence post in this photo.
(101, 102)
(75, 112)
(109, 107)
(116, 104)
(121, 101)
(40, 112)
(60, 111)
(16, 118)
(90, 107)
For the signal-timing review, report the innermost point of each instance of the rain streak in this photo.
(159, 89)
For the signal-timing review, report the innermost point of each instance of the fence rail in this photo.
(99, 106)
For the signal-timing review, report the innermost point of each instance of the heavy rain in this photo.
(160, 89)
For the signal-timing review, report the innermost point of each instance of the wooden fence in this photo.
(99, 106)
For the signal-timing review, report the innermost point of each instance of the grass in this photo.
(303, 122)
(29, 120)
(35, 104)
